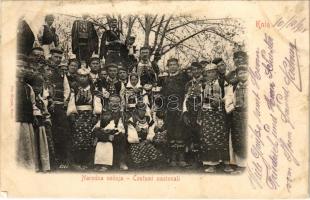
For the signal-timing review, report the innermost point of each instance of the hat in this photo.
(132, 37)
(172, 60)
(196, 64)
(49, 17)
(210, 66)
(94, 57)
(121, 68)
(56, 50)
(240, 54)
(111, 65)
(112, 20)
(217, 60)
(82, 71)
(37, 48)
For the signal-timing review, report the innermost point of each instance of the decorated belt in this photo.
(58, 102)
(84, 107)
(114, 51)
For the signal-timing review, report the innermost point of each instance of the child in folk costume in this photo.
(83, 110)
(160, 139)
(140, 134)
(236, 104)
(110, 137)
(214, 137)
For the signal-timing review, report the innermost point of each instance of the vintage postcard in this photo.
(160, 99)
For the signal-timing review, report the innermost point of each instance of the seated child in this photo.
(140, 134)
(160, 139)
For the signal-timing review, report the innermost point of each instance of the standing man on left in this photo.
(47, 36)
(60, 128)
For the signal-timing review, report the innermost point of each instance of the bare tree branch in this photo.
(141, 23)
(157, 33)
(159, 48)
(153, 21)
(120, 23)
(183, 40)
(130, 25)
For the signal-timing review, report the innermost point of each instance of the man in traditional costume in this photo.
(112, 44)
(94, 64)
(145, 69)
(84, 39)
(60, 95)
(236, 104)
(173, 91)
(47, 36)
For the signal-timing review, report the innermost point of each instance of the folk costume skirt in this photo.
(144, 154)
(61, 133)
(43, 150)
(83, 138)
(27, 149)
(214, 136)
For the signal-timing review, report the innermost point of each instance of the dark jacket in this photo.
(84, 33)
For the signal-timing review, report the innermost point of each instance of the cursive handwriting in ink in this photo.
(268, 57)
(257, 112)
(293, 23)
(255, 74)
(290, 67)
(270, 99)
(289, 179)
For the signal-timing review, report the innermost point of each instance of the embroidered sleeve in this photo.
(229, 99)
(71, 105)
(151, 132)
(97, 105)
(132, 133)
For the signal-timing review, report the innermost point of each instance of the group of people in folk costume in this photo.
(117, 111)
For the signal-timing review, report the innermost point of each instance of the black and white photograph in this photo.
(154, 99)
(132, 93)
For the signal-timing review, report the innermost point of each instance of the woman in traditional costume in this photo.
(83, 110)
(214, 135)
(27, 154)
(134, 92)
